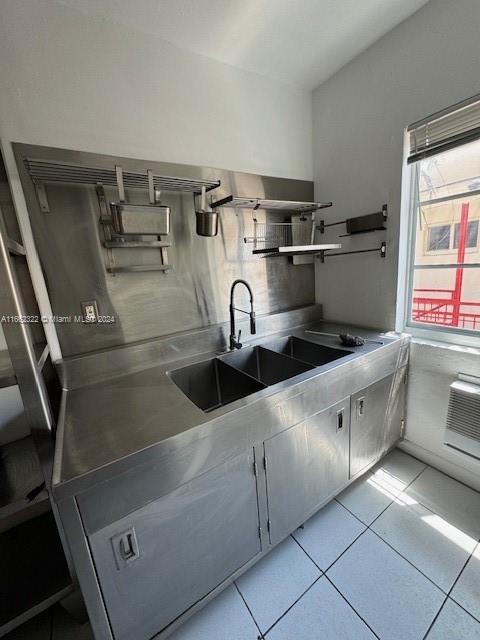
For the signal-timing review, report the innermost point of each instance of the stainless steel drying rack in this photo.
(45, 171)
(274, 239)
(270, 205)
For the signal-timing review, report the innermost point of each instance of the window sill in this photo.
(452, 344)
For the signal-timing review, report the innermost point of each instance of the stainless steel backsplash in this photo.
(147, 305)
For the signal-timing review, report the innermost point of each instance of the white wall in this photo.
(86, 83)
(68, 80)
(90, 84)
(428, 62)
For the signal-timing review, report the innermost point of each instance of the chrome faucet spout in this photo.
(234, 341)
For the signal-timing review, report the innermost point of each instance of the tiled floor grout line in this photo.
(351, 606)
(409, 562)
(292, 605)
(463, 609)
(261, 636)
(369, 528)
(324, 574)
(435, 618)
(396, 497)
(351, 513)
(344, 551)
(389, 504)
(396, 550)
(447, 475)
(449, 592)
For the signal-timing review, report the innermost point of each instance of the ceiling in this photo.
(301, 42)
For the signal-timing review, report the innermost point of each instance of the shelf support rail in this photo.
(382, 249)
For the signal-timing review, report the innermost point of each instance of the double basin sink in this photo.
(214, 383)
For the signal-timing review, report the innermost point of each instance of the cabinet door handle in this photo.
(340, 416)
(360, 407)
(125, 548)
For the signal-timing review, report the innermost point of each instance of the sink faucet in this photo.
(234, 341)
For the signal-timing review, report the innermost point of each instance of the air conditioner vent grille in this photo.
(463, 417)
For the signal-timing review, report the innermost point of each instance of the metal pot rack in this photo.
(48, 171)
(270, 205)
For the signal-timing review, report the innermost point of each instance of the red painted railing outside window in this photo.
(445, 306)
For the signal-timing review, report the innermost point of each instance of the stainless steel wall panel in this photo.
(150, 304)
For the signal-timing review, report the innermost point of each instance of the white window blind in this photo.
(444, 130)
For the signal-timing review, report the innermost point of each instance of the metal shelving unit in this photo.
(35, 569)
(22, 489)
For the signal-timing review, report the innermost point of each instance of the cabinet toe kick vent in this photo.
(463, 418)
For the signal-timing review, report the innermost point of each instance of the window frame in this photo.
(406, 268)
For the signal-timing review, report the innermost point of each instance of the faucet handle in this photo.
(239, 344)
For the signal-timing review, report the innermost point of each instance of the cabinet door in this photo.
(367, 431)
(396, 409)
(305, 466)
(157, 562)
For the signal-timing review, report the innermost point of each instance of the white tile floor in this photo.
(396, 556)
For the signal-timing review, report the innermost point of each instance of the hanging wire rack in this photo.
(286, 238)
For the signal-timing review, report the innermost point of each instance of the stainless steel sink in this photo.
(267, 366)
(315, 354)
(213, 383)
(237, 374)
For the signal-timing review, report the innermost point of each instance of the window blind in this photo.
(444, 130)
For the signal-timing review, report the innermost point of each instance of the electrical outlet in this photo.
(90, 311)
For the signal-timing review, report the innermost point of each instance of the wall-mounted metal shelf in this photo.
(300, 250)
(136, 268)
(44, 171)
(360, 224)
(136, 244)
(271, 205)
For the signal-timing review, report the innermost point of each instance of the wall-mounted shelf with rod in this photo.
(382, 250)
(271, 205)
(360, 224)
(47, 171)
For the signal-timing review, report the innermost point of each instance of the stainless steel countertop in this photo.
(114, 418)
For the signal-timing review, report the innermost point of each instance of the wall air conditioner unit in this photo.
(463, 419)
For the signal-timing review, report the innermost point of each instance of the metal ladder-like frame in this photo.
(37, 380)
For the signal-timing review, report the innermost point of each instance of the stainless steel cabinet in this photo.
(155, 563)
(396, 409)
(367, 430)
(305, 466)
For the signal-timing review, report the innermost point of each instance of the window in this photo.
(443, 290)
(446, 237)
(472, 235)
(439, 237)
